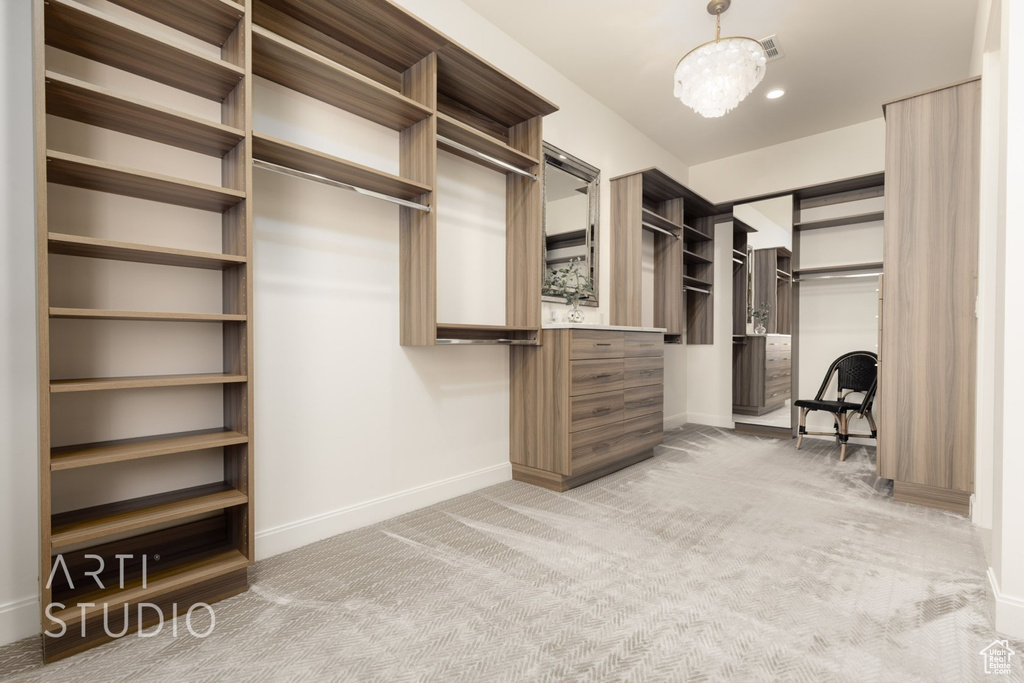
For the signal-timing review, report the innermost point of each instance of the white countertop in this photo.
(589, 326)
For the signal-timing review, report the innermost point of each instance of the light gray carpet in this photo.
(725, 557)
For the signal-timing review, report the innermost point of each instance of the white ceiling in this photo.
(843, 59)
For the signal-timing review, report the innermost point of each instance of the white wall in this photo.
(19, 483)
(841, 153)
(351, 428)
(1006, 573)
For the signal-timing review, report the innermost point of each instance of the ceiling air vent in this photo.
(772, 48)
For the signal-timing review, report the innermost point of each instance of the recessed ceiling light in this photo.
(775, 94)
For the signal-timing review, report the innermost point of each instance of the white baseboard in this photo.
(19, 619)
(270, 542)
(723, 421)
(1007, 610)
(675, 421)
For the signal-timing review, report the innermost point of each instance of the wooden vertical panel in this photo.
(794, 323)
(931, 255)
(524, 230)
(765, 291)
(540, 404)
(42, 301)
(417, 229)
(627, 250)
(669, 302)
(237, 289)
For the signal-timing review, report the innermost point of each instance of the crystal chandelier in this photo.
(714, 77)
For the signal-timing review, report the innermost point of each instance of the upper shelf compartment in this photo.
(455, 137)
(310, 162)
(378, 39)
(75, 28)
(209, 20)
(293, 66)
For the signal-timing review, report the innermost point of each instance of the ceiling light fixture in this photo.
(714, 77)
(775, 94)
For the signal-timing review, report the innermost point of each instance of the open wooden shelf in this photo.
(209, 20)
(63, 386)
(306, 160)
(297, 68)
(90, 174)
(90, 247)
(457, 131)
(847, 268)
(688, 233)
(694, 259)
(79, 29)
(158, 583)
(120, 450)
(508, 335)
(102, 521)
(694, 282)
(842, 220)
(153, 316)
(77, 100)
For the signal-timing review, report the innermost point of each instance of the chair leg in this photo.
(871, 422)
(803, 428)
(843, 438)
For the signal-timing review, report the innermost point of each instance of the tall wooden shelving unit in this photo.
(199, 540)
(683, 225)
(368, 57)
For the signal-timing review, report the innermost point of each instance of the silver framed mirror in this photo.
(572, 205)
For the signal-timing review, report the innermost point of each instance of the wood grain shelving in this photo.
(453, 129)
(103, 521)
(306, 160)
(689, 234)
(854, 219)
(158, 583)
(91, 247)
(845, 268)
(209, 20)
(516, 335)
(691, 258)
(63, 386)
(694, 282)
(120, 450)
(90, 174)
(152, 316)
(77, 100)
(297, 68)
(76, 28)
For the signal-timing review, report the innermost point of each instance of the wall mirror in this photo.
(571, 216)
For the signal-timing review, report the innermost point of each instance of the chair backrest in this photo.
(858, 372)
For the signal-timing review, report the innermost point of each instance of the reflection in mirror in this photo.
(571, 205)
(762, 312)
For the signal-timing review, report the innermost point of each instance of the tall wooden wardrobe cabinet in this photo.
(928, 328)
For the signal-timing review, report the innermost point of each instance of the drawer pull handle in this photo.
(598, 411)
(604, 375)
(603, 344)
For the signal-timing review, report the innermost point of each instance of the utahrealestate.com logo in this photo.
(144, 610)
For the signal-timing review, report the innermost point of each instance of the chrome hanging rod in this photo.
(484, 342)
(303, 175)
(655, 228)
(688, 288)
(835, 277)
(737, 260)
(486, 157)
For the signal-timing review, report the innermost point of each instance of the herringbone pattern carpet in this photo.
(724, 558)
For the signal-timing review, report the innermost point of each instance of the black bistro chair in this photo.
(858, 374)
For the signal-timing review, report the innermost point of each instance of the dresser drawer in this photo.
(593, 376)
(642, 434)
(644, 370)
(784, 382)
(595, 447)
(586, 344)
(643, 401)
(595, 410)
(644, 344)
(778, 342)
